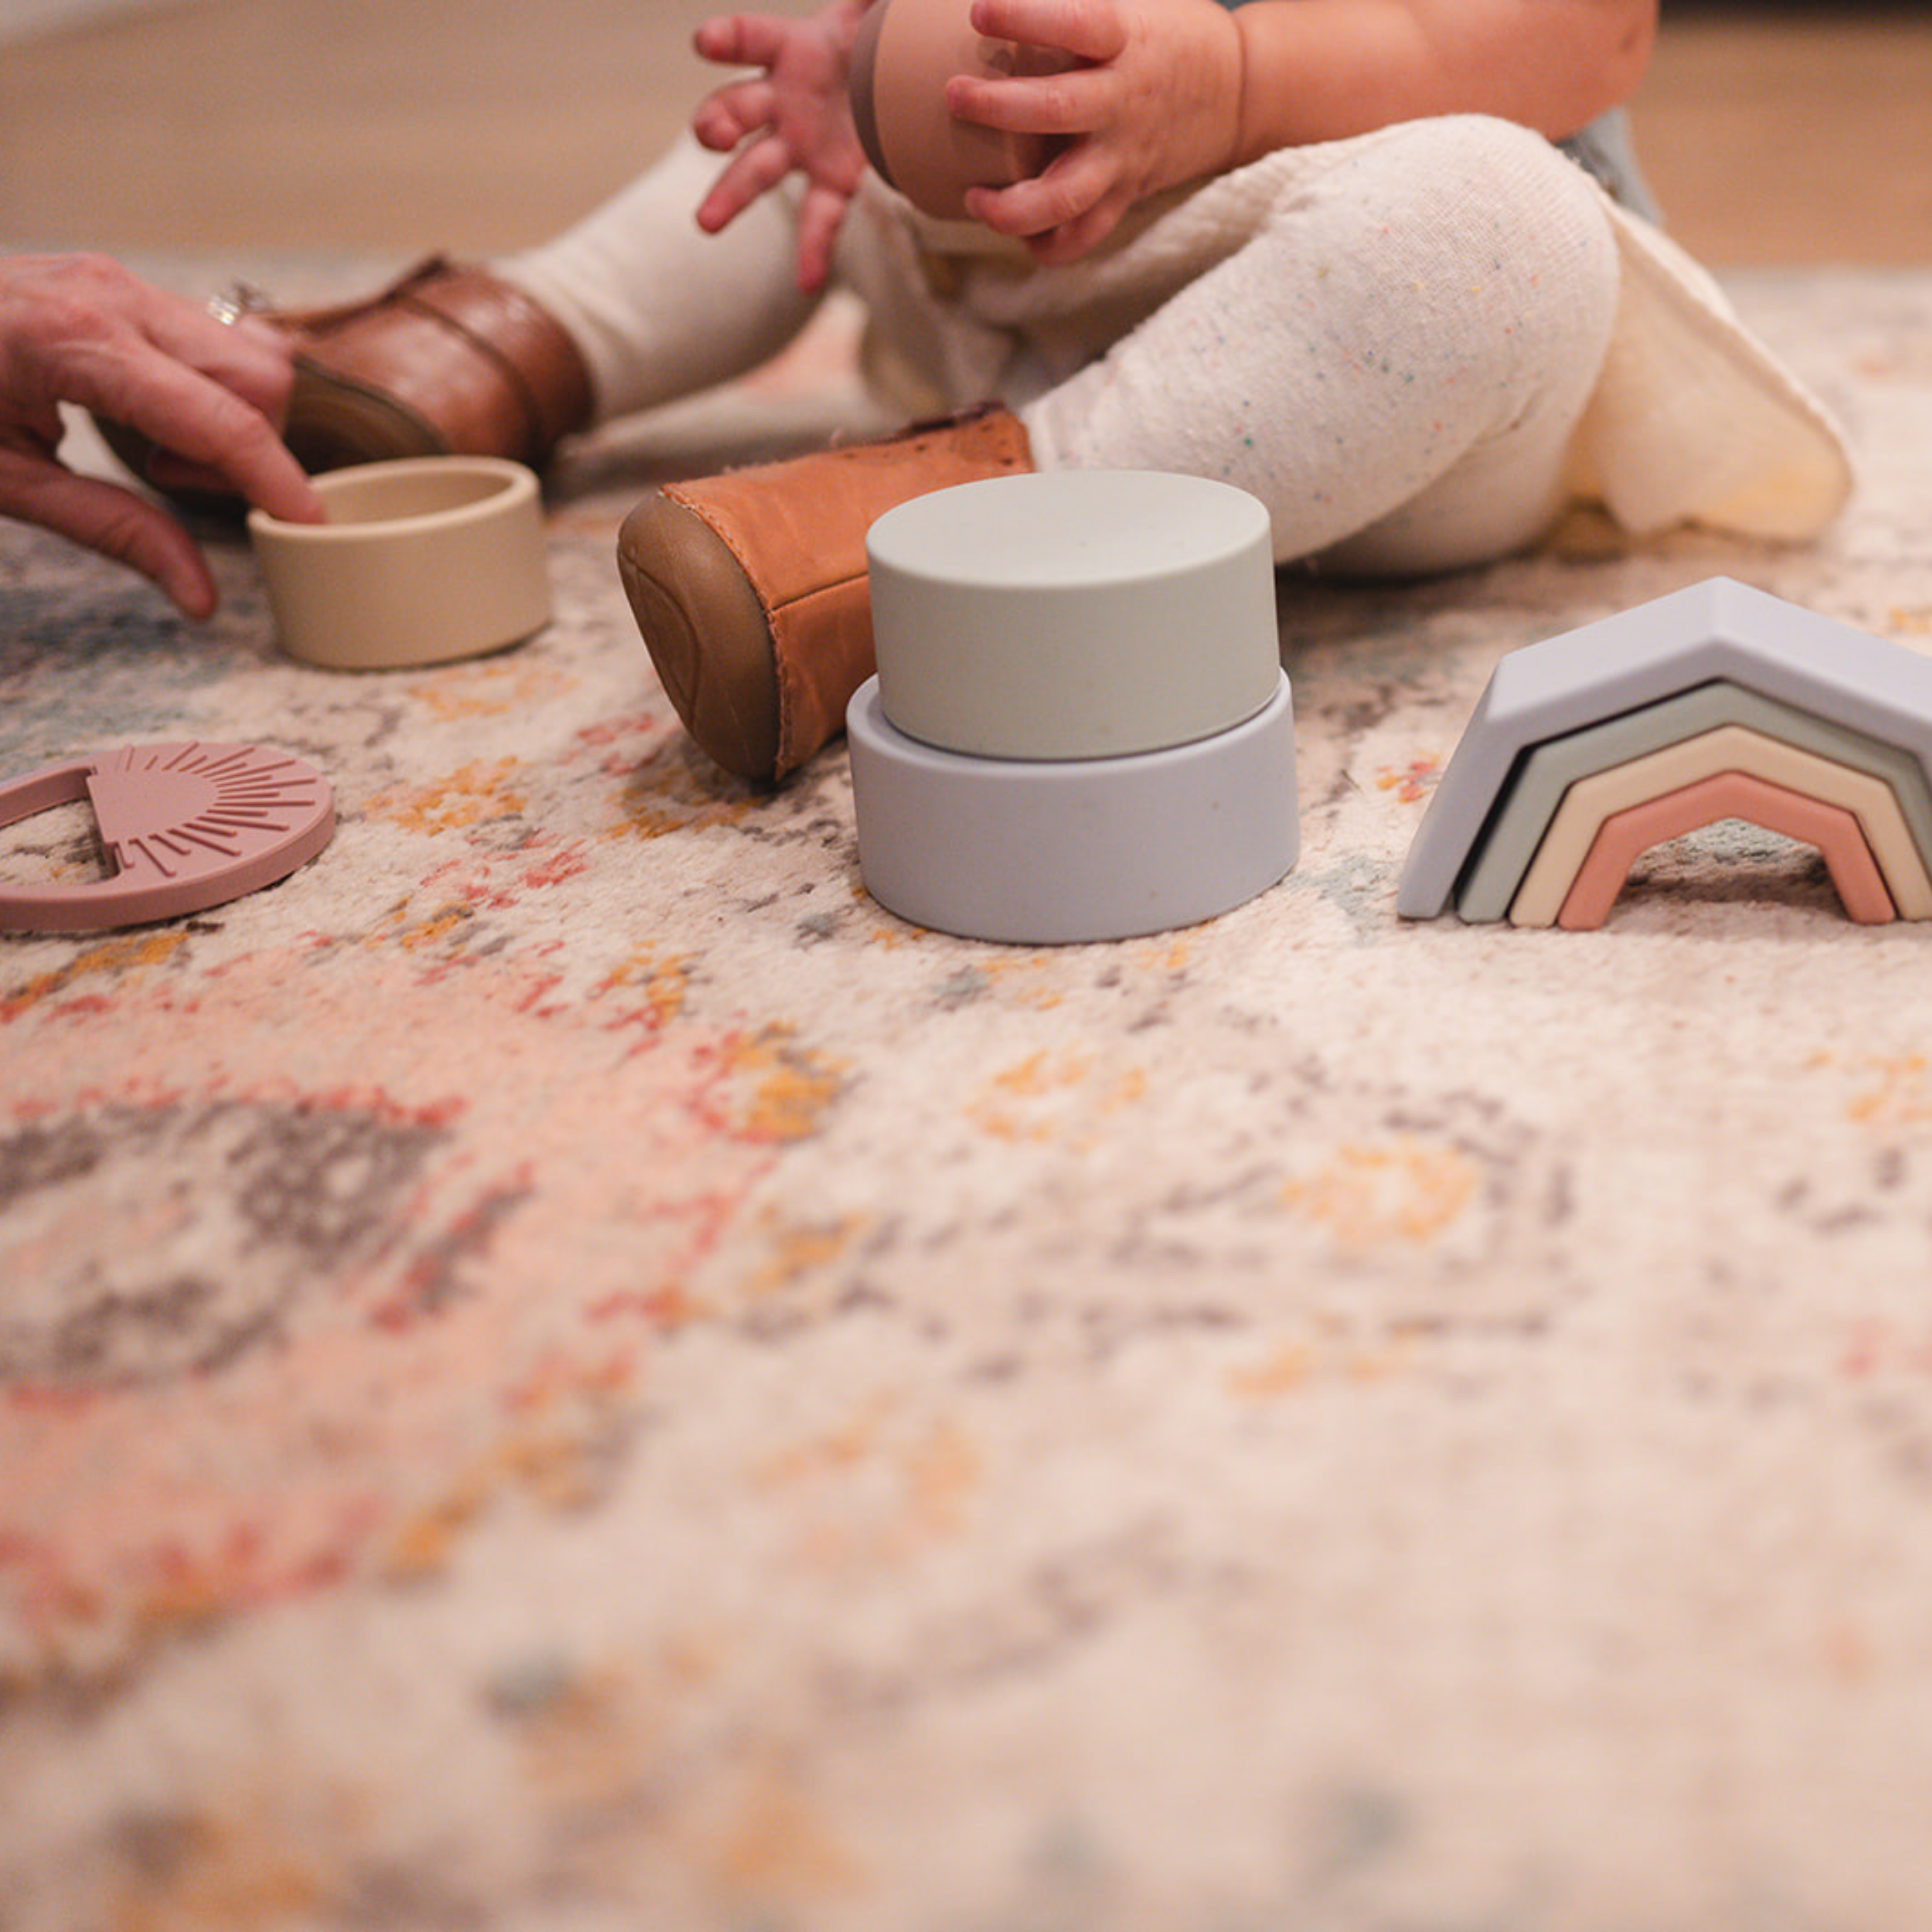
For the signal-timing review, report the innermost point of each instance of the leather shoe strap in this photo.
(469, 353)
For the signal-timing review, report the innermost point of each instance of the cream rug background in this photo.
(562, 1370)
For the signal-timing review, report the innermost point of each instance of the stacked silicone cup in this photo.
(1079, 729)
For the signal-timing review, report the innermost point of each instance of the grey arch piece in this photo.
(1533, 795)
(1717, 630)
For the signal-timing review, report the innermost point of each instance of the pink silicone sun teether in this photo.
(186, 826)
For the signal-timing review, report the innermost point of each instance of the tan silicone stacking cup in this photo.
(421, 561)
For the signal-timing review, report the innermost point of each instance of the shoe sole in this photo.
(706, 632)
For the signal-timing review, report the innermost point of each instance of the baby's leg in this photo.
(658, 309)
(1395, 363)
(1393, 353)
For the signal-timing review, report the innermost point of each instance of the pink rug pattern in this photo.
(563, 1369)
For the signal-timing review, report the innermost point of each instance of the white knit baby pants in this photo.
(1390, 340)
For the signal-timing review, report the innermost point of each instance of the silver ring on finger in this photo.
(237, 299)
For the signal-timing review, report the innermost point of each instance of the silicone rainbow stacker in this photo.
(1643, 724)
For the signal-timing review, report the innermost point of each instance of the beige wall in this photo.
(1773, 134)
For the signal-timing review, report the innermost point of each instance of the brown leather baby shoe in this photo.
(750, 588)
(448, 360)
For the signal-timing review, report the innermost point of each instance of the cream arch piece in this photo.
(1728, 795)
(1589, 802)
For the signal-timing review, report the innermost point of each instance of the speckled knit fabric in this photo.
(1397, 353)
(1416, 347)
(560, 1371)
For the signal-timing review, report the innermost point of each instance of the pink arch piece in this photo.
(1625, 836)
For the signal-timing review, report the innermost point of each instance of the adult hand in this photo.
(84, 330)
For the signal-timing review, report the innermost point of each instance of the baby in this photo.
(1386, 264)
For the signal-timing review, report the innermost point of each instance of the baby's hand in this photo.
(793, 116)
(1153, 101)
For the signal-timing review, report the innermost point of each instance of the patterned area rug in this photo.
(561, 1369)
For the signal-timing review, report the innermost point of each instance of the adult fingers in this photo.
(108, 519)
(193, 416)
(252, 359)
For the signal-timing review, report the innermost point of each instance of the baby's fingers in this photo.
(1079, 102)
(740, 40)
(1089, 30)
(721, 121)
(820, 218)
(753, 171)
(1075, 238)
(1062, 195)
